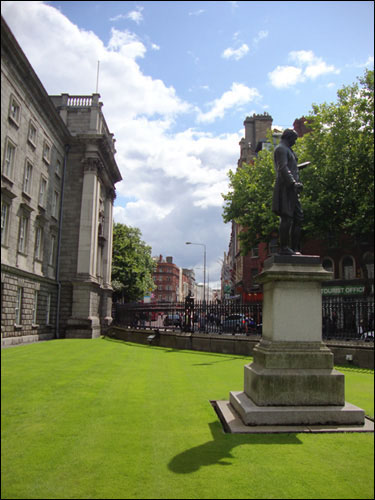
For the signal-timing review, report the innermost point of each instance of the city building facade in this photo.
(352, 266)
(57, 183)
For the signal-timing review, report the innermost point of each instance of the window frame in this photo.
(18, 306)
(5, 220)
(38, 248)
(28, 177)
(30, 139)
(24, 232)
(15, 119)
(47, 155)
(42, 196)
(8, 164)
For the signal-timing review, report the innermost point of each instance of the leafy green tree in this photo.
(132, 264)
(338, 195)
(249, 200)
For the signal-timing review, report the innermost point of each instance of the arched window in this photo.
(348, 268)
(368, 259)
(328, 264)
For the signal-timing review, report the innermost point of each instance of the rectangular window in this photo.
(46, 152)
(18, 309)
(52, 250)
(48, 309)
(39, 243)
(58, 168)
(42, 192)
(255, 251)
(23, 233)
(32, 134)
(14, 110)
(55, 201)
(35, 307)
(4, 222)
(27, 178)
(10, 153)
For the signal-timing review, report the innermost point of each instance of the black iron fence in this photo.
(342, 318)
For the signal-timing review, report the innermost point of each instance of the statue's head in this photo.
(289, 136)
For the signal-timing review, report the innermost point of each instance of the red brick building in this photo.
(352, 267)
(167, 281)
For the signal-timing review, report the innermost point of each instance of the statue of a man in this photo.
(285, 201)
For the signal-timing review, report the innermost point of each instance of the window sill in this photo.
(17, 327)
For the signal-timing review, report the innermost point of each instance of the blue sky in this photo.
(177, 80)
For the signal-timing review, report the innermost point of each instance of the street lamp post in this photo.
(204, 266)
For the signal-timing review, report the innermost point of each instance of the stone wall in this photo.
(27, 330)
(362, 353)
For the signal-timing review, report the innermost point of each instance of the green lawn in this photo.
(108, 419)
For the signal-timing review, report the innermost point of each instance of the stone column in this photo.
(85, 321)
(292, 379)
(106, 311)
(88, 224)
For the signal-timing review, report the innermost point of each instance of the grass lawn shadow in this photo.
(218, 451)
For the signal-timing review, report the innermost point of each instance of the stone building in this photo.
(57, 182)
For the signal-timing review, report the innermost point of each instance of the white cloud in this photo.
(127, 43)
(285, 76)
(308, 67)
(136, 15)
(236, 54)
(172, 182)
(238, 95)
(260, 36)
(197, 12)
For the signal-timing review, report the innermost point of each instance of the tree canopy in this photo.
(338, 195)
(132, 264)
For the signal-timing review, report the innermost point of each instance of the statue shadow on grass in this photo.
(218, 451)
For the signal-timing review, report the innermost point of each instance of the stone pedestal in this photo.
(292, 379)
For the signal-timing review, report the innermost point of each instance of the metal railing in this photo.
(342, 318)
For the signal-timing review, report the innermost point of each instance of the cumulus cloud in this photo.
(260, 36)
(307, 67)
(236, 54)
(238, 95)
(172, 182)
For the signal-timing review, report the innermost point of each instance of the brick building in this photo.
(353, 267)
(167, 280)
(57, 183)
(239, 271)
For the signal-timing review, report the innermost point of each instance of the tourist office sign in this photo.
(343, 290)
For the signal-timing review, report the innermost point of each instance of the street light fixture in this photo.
(204, 266)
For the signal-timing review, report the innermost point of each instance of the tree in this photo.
(249, 200)
(132, 264)
(338, 195)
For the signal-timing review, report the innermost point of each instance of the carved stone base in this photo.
(252, 414)
(294, 374)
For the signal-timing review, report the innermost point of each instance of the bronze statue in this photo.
(285, 201)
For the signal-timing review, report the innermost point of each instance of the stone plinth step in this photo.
(233, 423)
(251, 414)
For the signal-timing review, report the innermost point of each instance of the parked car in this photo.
(235, 323)
(368, 336)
